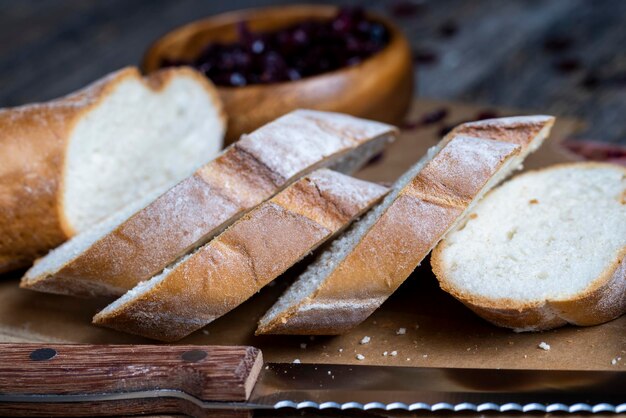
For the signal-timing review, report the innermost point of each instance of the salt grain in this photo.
(394, 353)
(360, 357)
(385, 353)
(365, 340)
(544, 346)
(296, 361)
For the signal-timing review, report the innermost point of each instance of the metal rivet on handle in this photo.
(194, 355)
(42, 354)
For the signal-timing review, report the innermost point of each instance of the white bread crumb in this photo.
(544, 346)
(401, 331)
(385, 353)
(365, 340)
(296, 361)
(360, 357)
(394, 353)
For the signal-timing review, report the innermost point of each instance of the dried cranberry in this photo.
(304, 49)
(427, 119)
(591, 80)
(558, 43)
(568, 65)
(486, 114)
(404, 8)
(448, 29)
(425, 56)
(435, 116)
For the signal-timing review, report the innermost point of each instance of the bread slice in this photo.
(69, 163)
(359, 270)
(239, 262)
(134, 246)
(545, 249)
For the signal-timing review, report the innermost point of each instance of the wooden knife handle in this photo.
(210, 373)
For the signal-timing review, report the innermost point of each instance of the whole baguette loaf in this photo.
(239, 262)
(362, 268)
(69, 163)
(134, 246)
(545, 249)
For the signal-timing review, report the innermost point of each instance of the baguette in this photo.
(135, 245)
(545, 249)
(361, 269)
(239, 262)
(67, 164)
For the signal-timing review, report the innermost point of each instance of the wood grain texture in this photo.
(210, 373)
(496, 57)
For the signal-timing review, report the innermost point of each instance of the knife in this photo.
(226, 381)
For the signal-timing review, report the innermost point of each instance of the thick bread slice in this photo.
(69, 163)
(545, 249)
(133, 247)
(359, 271)
(239, 262)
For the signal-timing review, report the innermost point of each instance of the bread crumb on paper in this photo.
(365, 340)
(360, 357)
(544, 346)
(401, 331)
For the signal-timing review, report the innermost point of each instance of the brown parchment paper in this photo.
(439, 331)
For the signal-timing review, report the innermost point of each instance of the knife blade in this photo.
(89, 380)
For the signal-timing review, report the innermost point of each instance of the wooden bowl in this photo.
(379, 88)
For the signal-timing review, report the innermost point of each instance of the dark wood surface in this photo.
(486, 51)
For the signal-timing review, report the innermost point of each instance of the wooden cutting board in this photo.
(439, 330)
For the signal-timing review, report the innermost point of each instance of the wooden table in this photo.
(487, 51)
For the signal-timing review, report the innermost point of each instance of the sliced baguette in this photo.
(545, 249)
(71, 162)
(135, 245)
(362, 268)
(239, 262)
